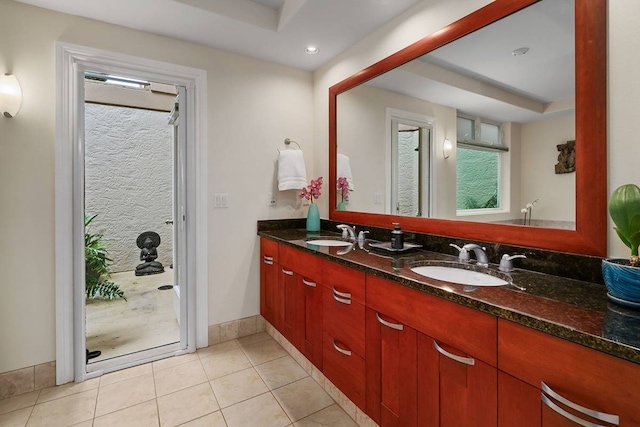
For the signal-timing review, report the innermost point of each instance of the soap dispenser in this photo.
(397, 237)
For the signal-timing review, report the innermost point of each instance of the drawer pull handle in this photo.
(395, 326)
(341, 294)
(466, 360)
(345, 352)
(287, 272)
(602, 416)
(268, 260)
(310, 284)
(341, 300)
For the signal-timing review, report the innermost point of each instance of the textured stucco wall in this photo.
(408, 173)
(479, 177)
(128, 179)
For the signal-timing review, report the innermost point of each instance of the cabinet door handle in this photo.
(287, 272)
(268, 260)
(466, 360)
(602, 416)
(395, 326)
(341, 300)
(310, 284)
(341, 294)
(345, 352)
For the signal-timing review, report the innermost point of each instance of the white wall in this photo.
(252, 106)
(129, 180)
(555, 192)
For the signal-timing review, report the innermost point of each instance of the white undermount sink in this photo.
(459, 276)
(328, 242)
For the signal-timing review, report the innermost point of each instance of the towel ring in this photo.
(288, 142)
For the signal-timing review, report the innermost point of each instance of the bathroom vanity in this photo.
(413, 351)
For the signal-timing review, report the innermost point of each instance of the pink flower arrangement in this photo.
(343, 187)
(312, 191)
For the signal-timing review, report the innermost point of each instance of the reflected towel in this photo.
(292, 175)
(343, 169)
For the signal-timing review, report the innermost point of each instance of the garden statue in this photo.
(148, 242)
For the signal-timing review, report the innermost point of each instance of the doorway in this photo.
(189, 213)
(132, 189)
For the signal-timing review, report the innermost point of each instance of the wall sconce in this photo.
(447, 148)
(10, 95)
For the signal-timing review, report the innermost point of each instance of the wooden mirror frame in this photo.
(590, 234)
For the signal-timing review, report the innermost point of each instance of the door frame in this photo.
(69, 234)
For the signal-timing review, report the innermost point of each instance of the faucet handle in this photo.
(361, 235)
(463, 254)
(505, 261)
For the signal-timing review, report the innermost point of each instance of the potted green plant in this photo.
(97, 266)
(622, 276)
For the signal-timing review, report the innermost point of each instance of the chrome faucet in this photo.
(481, 255)
(347, 231)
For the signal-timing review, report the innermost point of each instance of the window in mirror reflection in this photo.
(478, 165)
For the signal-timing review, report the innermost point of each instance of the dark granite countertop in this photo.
(574, 310)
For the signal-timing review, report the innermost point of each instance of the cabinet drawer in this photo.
(345, 280)
(468, 330)
(344, 368)
(343, 319)
(584, 376)
(268, 251)
(306, 265)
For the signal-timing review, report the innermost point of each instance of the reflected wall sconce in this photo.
(447, 148)
(10, 95)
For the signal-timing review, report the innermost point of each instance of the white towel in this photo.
(343, 169)
(292, 175)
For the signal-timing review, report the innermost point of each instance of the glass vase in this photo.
(313, 218)
(342, 206)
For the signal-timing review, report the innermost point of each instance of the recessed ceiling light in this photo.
(311, 50)
(520, 51)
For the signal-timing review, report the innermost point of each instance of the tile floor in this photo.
(250, 381)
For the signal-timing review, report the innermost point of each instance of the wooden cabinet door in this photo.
(312, 331)
(293, 318)
(391, 366)
(345, 369)
(518, 403)
(454, 390)
(271, 295)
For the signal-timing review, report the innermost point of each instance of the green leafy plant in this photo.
(97, 266)
(624, 209)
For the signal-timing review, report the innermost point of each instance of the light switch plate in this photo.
(221, 200)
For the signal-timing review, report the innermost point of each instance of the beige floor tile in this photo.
(237, 387)
(179, 377)
(141, 415)
(217, 348)
(125, 374)
(18, 402)
(124, 394)
(84, 424)
(260, 411)
(16, 418)
(280, 372)
(302, 398)
(332, 416)
(66, 411)
(186, 405)
(170, 362)
(68, 389)
(225, 363)
(212, 420)
(253, 339)
(264, 351)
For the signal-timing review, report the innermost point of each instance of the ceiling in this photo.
(272, 30)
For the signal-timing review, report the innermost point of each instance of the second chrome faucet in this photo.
(463, 253)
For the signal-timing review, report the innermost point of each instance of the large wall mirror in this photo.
(493, 129)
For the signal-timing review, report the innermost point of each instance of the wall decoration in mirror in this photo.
(505, 108)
